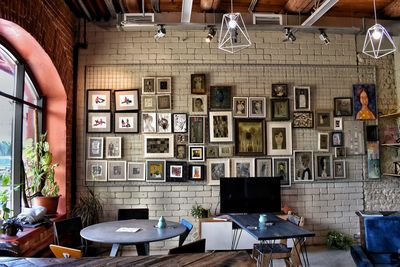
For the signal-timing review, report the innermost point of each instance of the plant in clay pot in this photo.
(197, 211)
(11, 226)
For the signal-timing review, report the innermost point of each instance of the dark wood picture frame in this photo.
(119, 128)
(220, 97)
(303, 119)
(280, 110)
(130, 101)
(198, 84)
(343, 106)
(279, 90)
(249, 137)
(102, 117)
(98, 100)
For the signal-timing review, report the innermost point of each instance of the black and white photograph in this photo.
(181, 151)
(180, 124)
(242, 167)
(163, 85)
(164, 122)
(302, 98)
(95, 147)
(303, 166)
(164, 102)
(148, 85)
(220, 126)
(279, 90)
(117, 170)
(196, 129)
(216, 169)
(149, 122)
(257, 107)
(113, 147)
(96, 170)
(337, 139)
(343, 106)
(339, 169)
(279, 135)
(323, 120)
(263, 167)
(323, 142)
(136, 171)
(198, 104)
(240, 107)
(282, 167)
(323, 169)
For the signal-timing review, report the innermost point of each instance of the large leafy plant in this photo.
(5, 192)
(338, 240)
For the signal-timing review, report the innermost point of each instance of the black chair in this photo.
(198, 246)
(189, 228)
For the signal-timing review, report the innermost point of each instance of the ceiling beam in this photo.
(186, 11)
(319, 12)
(252, 5)
(392, 10)
(207, 5)
(111, 8)
(299, 6)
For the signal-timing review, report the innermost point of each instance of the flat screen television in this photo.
(250, 195)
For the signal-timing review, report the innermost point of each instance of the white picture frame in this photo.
(243, 167)
(221, 126)
(216, 169)
(323, 142)
(198, 104)
(164, 85)
(257, 107)
(303, 166)
(302, 99)
(149, 103)
(240, 107)
(113, 147)
(338, 123)
(136, 171)
(158, 146)
(96, 171)
(279, 138)
(95, 147)
(149, 122)
(148, 85)
(116, 170)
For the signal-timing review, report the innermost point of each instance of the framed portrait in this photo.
(180, 151)
(337, 139)
(99, 122)
(373, 161)
(263, 167)
(257, 107)
(354, 141)
(343, 106)
(196, 129)
(181, 139)
(216, 169)
(149, 122)
(323, 142)
(159, 146)
(279, 138)
(279, 90)
(212, 151)
(372, 133)
(163, 85)
(340, 152)
(126, 122)
(364, 101)
(197, 172)
(164, 102)
(323, 169)
(98, 99)
(180, 124)
(240, 107)
(198, 83)
(196, 153)
(250, 137)
(220, 126)
(303, 119)
(337, 123)
(136, 171)
(242, 167)
(198, 104)
(164, 122)
(303, 166)
(126, 100)
(116, 170)
(220, 97)
(302, 98)
(323, 119)
(96, 170)
(225, 151)
(155, 171)
(176, 171)
(95, 147)
(148, 85)
(280, 109)
(282, 169)
(113, 147)
(339, 169)
(149, 102)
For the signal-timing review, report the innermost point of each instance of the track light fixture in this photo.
(211, 33)
(324, 37)
(289, 35)
(161, 32)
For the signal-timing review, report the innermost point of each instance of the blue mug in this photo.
(263, 218)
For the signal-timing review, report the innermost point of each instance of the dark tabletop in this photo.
(106, 232)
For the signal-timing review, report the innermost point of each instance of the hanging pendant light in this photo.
(233, 35)
(378, 42)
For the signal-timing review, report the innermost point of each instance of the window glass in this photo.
(7, 72)
(30, 94)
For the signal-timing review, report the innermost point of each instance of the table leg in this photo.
(114, 250)
(143, 249)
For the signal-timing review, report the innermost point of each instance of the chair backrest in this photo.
(295, 219)
(189, 228)
(198, 246)
(64, 252)
(127, 214)
(67, 233)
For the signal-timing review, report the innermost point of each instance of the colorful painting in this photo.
(364, 101)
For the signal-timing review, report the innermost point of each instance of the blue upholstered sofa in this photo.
(381, 244)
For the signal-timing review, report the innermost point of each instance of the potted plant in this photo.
(89, 207)
(5, 191)
(11, 226)
(338, 240)
(197, 211)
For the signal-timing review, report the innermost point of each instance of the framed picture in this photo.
(149, 102)
(164, 122)
(180, 124)
(323, 142)
(323, 163)
(96, 170)
(240, 107)
(303, 166)
(136, 171)
(126, 100)
(373, 161)
(263, 167)
(196, 172)
(279, 138)
(323, 119)
(282, 169)
(148, 85)
(198, 83)
(337, 139)
(225, 151)
(99, 122)
(155, 171)
(176, 171)
(364, 101)
(181, 139)
(216, 169)
(337, 123)
(220, 126)
(280, 109)
(196, 153)
(339, 169)
(212, 151)
(303, 119)
(113, 147)
(95, 147)
(159, 146)
(198, 104)
(126, 122)
(302, 98)
(354, 141)
(279, 90)
(372, 133)
(163, 85)
(250, 137)
(98, 99)
(242, 167)
(340, 152)
(220, 97)
(164, 102)
(257, 107)
(343, 106)
(196, 129)
(181, 151)
(117, 170)
(149, 122)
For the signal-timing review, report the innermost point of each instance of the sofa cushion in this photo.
(382, 234)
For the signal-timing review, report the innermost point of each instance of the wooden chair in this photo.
(65, 252)
(198, 246)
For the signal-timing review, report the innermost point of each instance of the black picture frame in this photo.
(279, 90)
(280, 110)
(119, 128)
(372, 133)
(337, 139)
(197, 172)
(104, 105)
(343, 106)
(303, 119)
(105, 117)
(198, 84)
(176, 171)
(220, 97)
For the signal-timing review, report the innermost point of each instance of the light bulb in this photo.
(376, 34)
(208, 39)
(232, 23)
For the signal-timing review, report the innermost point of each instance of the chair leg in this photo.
(142, 249)
(263, 260)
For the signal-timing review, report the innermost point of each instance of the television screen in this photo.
(250, 195)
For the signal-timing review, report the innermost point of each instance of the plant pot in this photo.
(11, 231)
(50, 203)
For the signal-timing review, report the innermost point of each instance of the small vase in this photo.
(161, 222)
(263, 218)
